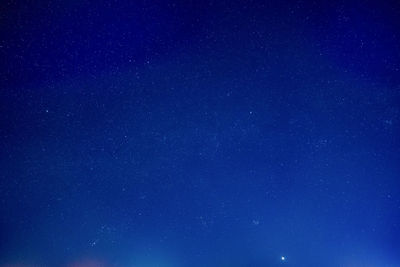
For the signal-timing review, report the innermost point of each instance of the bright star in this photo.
(283, 258)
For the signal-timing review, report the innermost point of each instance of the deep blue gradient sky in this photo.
(199, 133)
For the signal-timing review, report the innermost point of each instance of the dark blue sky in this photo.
(199, 133)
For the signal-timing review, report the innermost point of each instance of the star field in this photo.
(210, 133)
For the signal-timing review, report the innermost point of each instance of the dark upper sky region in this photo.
(199, 133)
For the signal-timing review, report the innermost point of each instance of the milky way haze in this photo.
(199, 133)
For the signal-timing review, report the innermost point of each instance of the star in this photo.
(283, 258)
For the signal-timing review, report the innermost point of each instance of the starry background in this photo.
(199, 133)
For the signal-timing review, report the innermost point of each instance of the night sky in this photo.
(157, 133)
